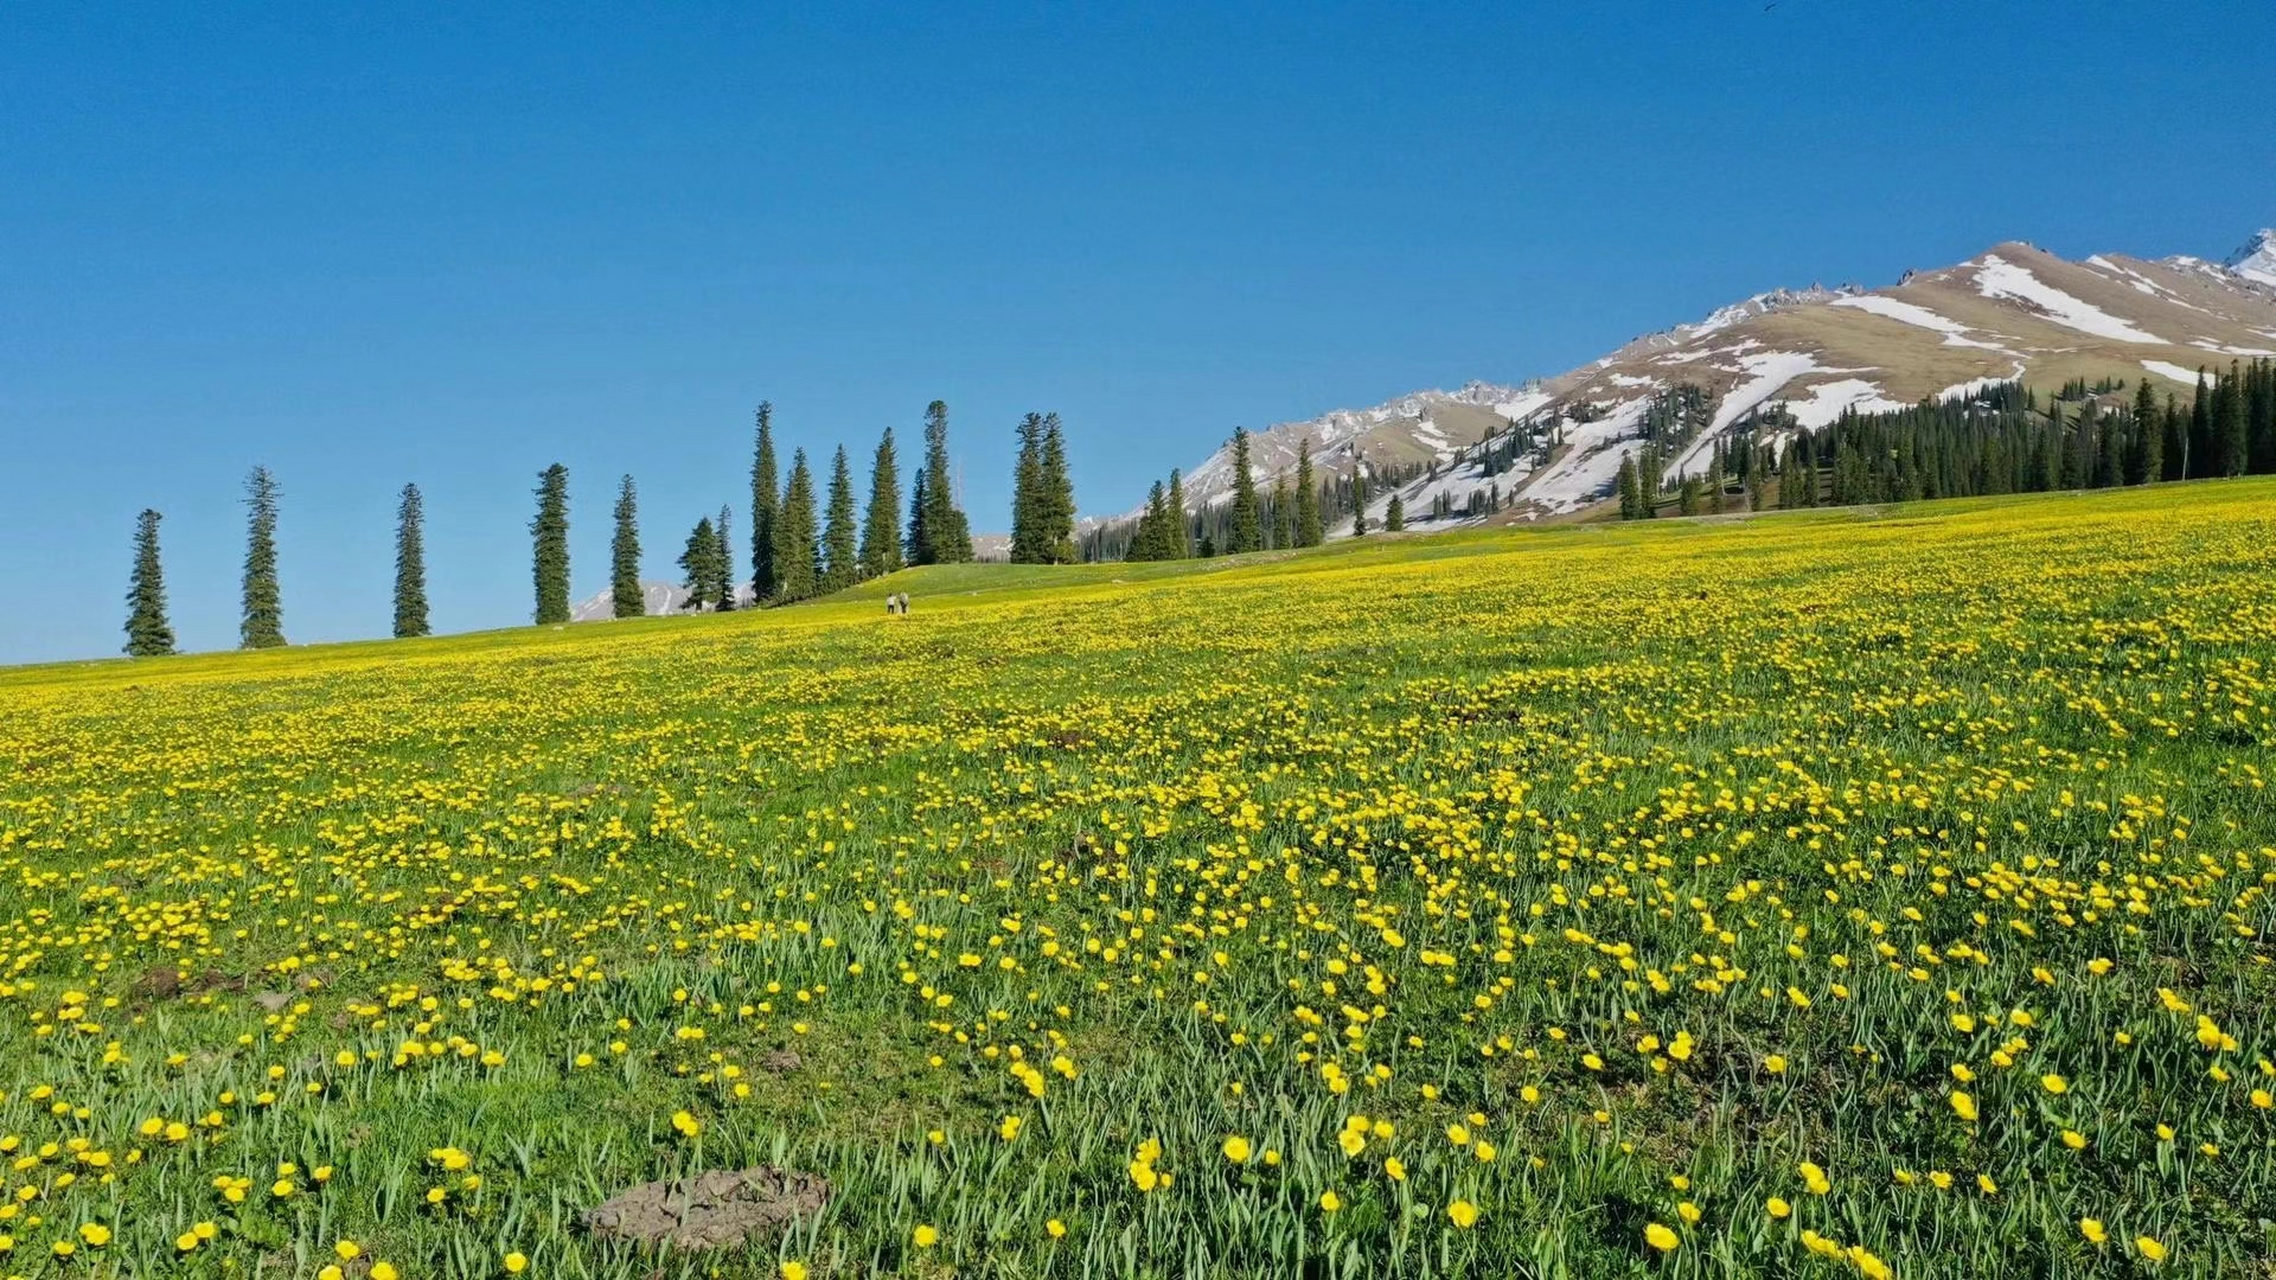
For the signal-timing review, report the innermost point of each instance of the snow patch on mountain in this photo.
(1955, 333)
(1999, 278)
(1827, 401)
(2186, 377)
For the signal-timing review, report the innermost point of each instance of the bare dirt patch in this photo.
(721, 1207)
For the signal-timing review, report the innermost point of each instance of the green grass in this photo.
(1552, 793)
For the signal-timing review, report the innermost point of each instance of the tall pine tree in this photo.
(1244, 532)
(148, 634)
(880, 539)
(1308, 530)
(263, 623)
(1358, 498)
(723, 569)
(627, 600)
(1283, 515)
(700, 561)
(1057, 493)
(1177, 534)
(1028, 543)
(410, 565)
(797, 577)
(549, 546)
(765, 495)
(1395, 515)
(2231, 441)
(940, 533)
(841, 566)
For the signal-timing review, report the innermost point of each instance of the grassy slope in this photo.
(1435, 733)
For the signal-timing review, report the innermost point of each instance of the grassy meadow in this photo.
(1850, 893)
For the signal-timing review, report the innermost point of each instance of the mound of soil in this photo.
(721, 1207)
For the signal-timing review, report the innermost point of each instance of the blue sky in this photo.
(365, 246)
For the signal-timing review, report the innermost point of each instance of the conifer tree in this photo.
(880, 539)
(1244, 532)
(625, 596)
(410, 565)
(700, 561)
(1358, 498)
(798, 576)
(2231, 442)
(263, 623)
(1177, 534)
(1027, 494)
(765, 495)
(148, 634)
(1152, 539)
(1395, 516)
(943, 532)
(1628, 494)
(841, 566)
(920, 547)
(549, 538)
(723, 566)
(1283, 515)
(2145, 451)
(1308, 530)
(1057, 492)
(2197, 453)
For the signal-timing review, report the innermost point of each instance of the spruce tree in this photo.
(148, 634)
(1177, 534)
(880, 540)
(1152, 539)
(2145, 452)
(1244, 533)
(764, 497)
(841, 566)
(1395, 516)
(1358, 498)
(410, 565)
(1027, 494)
(1628, 494)
(2231, 441)
(626, 598)
(943, 532)
(1283, 515)
(1057, 493)
(723, 568)
(549, 542)
(920, 547)
(700, 561)
(263, 623)
(797, 575)
(1308, 530)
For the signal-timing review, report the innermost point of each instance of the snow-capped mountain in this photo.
(657, 598)
(2012, 312)
(2256, 261)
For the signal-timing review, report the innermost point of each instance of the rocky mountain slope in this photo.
(2012, 312)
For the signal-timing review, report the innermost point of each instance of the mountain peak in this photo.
(2256, 259)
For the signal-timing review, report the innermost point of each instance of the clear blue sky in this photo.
(365, 248)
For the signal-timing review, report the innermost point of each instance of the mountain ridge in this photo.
(2014, 311)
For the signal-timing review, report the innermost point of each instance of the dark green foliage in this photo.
(1245, 533)
(797, 574)
(880, 540)
(263, 623)
(1395, 515)
(1177, 533)
(841, 566)
(410, 565)
(700, 561)
(723, 568)
(549, 541)
(624, 556)
(1631, 505)
(1283, 523)
(938, 531)
(1057, 494)
(1358, 498)
(148, 634)
(1688, 495)
(1152, 541)
(2232, 442)
(765, 496)
(1308, 530)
